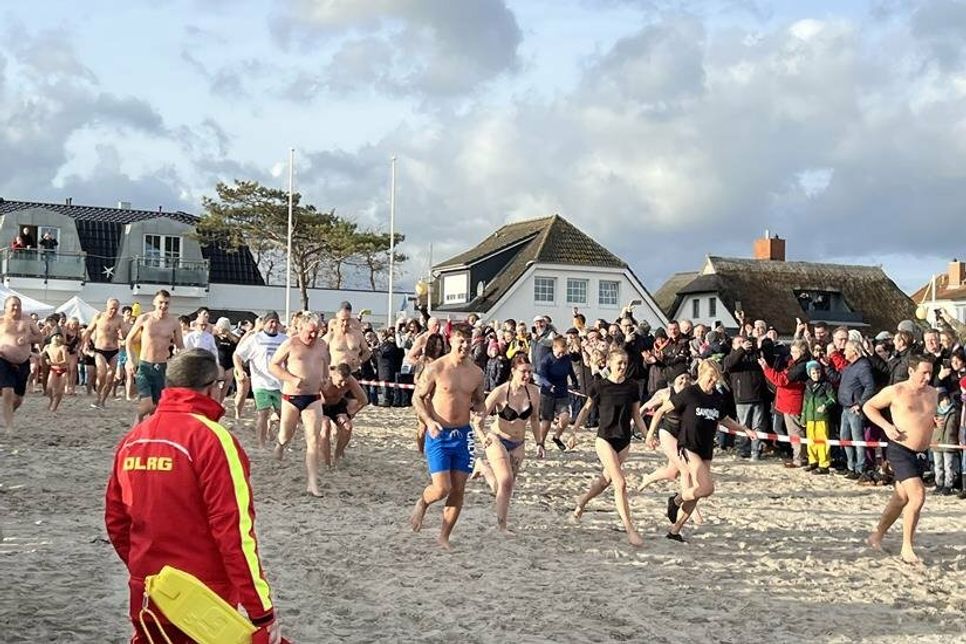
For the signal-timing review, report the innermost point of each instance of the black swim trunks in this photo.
(334, 411)
(14, 376)
(905, 463)
(109, 354)
(301, 401)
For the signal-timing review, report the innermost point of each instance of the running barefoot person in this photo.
(617, 399)
(701, 408)
(516, 404)
(72, 337)
(257, 351)
(666, 425)
(156, 332)
(17, 335)
(105, 333)
(451, 387)
(343, 397)
(301, 364)
(56, 354)
(347, 343)
(912, 405)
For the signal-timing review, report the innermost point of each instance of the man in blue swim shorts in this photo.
(450, 389)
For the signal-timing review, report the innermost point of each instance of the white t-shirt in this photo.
(258, 351)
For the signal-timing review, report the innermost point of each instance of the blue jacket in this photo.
(857, 385)
(554, 373)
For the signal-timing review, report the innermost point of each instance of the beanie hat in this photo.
(812, 364)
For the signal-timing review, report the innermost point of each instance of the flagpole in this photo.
(429, 282)
(288, 271)
(392, 237)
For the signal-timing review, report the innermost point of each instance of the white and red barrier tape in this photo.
(809, 441)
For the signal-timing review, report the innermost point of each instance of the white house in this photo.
(130, 254)
(540, 266)
(944, 291)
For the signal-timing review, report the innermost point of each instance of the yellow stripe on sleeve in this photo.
(243, 498)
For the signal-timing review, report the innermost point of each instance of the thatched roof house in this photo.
(770, 288)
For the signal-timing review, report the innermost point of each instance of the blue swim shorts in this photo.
(452, 451)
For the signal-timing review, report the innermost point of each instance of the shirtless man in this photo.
(912, 405)
(419, 344)
(347, 343)
(451, 388)
(104, 332)
(301, 364)
(17, 335)
(156, 331)
(343, 397)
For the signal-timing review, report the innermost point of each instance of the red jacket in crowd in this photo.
(789, 390)
(179, 495)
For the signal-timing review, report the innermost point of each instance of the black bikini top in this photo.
(510, 414)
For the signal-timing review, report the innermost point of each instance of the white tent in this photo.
(77, 308)
(28, 304)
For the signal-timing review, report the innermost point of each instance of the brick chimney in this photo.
(957, 274)
(770, 248)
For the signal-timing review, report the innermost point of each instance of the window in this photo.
(576, 291)
(712, 307)
(608, 293)
(543, 289)
(162, 251)
(696, 308)
(456, 288)
(43, 230)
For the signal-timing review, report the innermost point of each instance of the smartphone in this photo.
(636, 302)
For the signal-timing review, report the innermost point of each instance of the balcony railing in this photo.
(163, 270)
(43, 264)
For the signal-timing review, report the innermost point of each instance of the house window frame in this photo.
(600, 294)
(712, 306)
(166, 258)
(696, 308)
(42, 229)
(458, 297)
(552, 281)
(577, 281)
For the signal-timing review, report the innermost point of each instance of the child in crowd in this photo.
(497, 367)
(946, 431)
(817, 404)
(56, 355)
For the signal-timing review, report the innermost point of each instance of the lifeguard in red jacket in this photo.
(179, 495)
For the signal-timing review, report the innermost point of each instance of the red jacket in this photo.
(179, 494)
(789, 391)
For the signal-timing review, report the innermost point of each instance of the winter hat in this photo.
(493, 346)
(812, 364)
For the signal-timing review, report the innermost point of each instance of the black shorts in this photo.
(14, 376)
(905, 463)
(618, 443)
(551, 407)
(333, 412)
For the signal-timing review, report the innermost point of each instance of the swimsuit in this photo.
(14, 376)
(334, 411)
(510, 414)
(150, 379)
(905, 462)
(58, 370)
(107, 353)
(510, 445)
(301, 401)
(267, 398)
(451, 451)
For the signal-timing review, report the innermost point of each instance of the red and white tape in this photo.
(809, 441)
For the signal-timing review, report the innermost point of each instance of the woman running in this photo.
(618, 404)
(72, 336)
(243, 382)
(666, 426)
(226, 342)
(56, 355)
(700, 408)
(516, 404)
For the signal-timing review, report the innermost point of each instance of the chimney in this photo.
(69, 201)
(771, 248)
(957, 274)
(123, 205)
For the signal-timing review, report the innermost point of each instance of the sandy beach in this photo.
(779, 558)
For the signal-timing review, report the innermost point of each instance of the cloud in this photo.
(404, 47)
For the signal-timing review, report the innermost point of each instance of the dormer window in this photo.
(162, 251)
(819, 301)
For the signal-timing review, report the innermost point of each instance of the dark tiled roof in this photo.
(549, 240)
(100, 230)
(666, 296)
(766, 290)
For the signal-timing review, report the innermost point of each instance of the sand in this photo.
(779, 558)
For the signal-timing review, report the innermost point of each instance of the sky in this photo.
(666, 130)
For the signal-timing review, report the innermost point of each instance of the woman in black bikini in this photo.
(72, 335)
(513, 403)
(618, 403)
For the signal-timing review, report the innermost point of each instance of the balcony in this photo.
(169, 272)
(42, 264)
